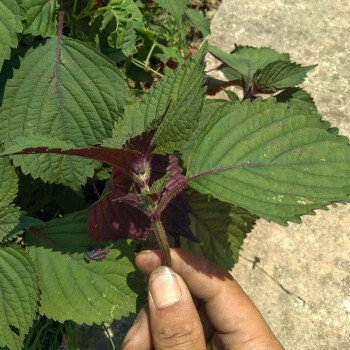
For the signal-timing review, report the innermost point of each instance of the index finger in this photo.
(229, 309)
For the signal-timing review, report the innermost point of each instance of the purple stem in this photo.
(95, 188)
(162, 205)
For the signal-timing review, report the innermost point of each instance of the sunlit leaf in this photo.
(65, 89)
(11, 16)
(175, 8)
(198, 21)
(276, 162)
(247, 60)
(19, 295)
(281, 75)
(41, 17)
(74, 289)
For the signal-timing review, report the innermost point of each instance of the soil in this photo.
(208, 9)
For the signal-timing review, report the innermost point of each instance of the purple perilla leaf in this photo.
(111, 219)
(95, 253)
(160, 166)
(176, 217)
(121, 183)
(120, 214)
(176, 209)
(140, 143)
(32, 144)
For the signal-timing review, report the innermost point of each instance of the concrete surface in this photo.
(302, 282)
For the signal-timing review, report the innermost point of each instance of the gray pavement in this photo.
(302, 282)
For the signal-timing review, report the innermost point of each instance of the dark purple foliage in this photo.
(214, 85)
(120, 213)
(110, 218)
(175, 217)
(141, 143)
(160, 165)
(121, 158)
(95, 253)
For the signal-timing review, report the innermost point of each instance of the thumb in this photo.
(174, 319)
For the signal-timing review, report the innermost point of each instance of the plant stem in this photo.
(109, 336)
(155, 218)
(74, 8)
(149, 54)
(161, 205)
(60, 24)
(95, 188)
(146, 68)
(161, 239)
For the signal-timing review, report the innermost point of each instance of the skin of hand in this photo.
(195, 305)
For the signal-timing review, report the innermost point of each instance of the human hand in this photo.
(220, 315)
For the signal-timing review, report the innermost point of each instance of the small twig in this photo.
(74, 8)
(95, 188)
(60, 23)
(109, 336)
(146, 68)
(162, 205)
(149, 54)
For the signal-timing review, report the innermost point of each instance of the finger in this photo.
(139, 335)
(174, 319)
(229, 309)
(208, 328)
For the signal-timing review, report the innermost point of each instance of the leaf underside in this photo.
(175, 216)
(43, 145)
(277, 162)
(18, 295)
(73, 289)
(220, 229)
(67, 90)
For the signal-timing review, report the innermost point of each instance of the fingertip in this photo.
(173, 315)
(148, 260)
(164, 287)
